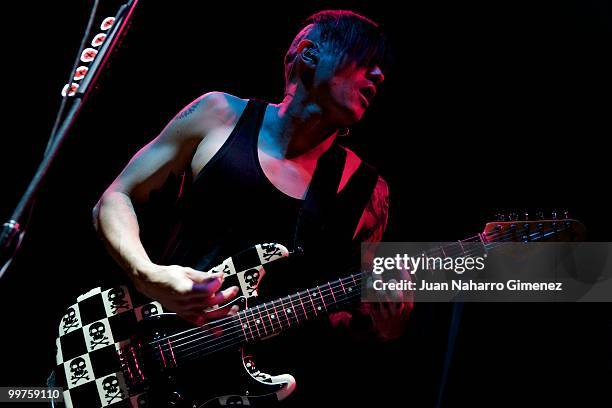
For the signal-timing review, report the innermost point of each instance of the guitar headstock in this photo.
(511, 228)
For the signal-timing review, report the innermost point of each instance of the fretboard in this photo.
(258, 322)
(273, 317)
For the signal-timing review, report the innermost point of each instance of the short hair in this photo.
(351, 36)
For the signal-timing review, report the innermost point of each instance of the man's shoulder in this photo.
(210, 111)
(217, 104)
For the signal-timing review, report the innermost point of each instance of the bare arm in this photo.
(373, 222)
(181, 289)
(114, 216)
(387, 320)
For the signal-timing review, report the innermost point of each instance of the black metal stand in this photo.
(450, 349)
(12, 229)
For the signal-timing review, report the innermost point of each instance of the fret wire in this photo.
(261, 319)
(321, 296)
(269, 316)
(342, 285)
(248, 325)
(285, 312)
(293, 310)
(332, 291)
(461, 245)
(280, 323)
(312, 301)
(241, 326)
(304, 310)
(264, 311)
(255, 322)
(302, 303)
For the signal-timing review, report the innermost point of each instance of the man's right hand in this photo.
(186, 291)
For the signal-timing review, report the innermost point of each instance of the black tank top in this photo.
(231, 204)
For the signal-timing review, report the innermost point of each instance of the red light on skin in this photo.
(98, 40)
(73, 89)
(80, 72)
(107, 23)
(88, 54)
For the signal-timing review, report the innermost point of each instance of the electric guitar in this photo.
(116, 348)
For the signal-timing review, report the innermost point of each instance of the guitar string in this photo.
(288, 321)
(236, 329)
(212, 346)
(232, 318)
(232, 341)
(326, 292)
(476, 238)
(202, 351)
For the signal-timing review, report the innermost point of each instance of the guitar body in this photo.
(116, 348)
(225, 378)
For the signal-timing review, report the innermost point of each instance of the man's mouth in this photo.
(364, 100)
(367, 93)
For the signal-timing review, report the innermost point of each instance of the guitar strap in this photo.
(322, 201)
(320, 198)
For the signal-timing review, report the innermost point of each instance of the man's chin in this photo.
(353, 115)
(346, 116)
(357, 115)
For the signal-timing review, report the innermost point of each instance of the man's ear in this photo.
(308, 52)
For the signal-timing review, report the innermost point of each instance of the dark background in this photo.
(488, 107)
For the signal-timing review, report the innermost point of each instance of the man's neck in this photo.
(297, 127)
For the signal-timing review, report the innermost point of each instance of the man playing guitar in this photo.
(246, 169)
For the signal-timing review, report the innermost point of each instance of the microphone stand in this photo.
(12, 230)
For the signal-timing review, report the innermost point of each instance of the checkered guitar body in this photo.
(116, 348)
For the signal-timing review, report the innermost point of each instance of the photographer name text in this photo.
(465, 285)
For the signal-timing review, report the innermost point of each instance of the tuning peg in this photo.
(526, 216)
(566, 214)
(553, 215)
(540, 215)
(513, 217)
(501, 217)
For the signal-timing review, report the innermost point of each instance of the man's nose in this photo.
(375, 75)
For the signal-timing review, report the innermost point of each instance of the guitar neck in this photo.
(273, 317)
(261, 321)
